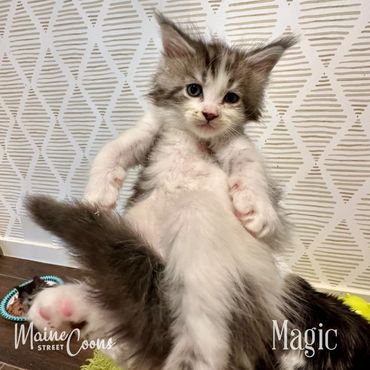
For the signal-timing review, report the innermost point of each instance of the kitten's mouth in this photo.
(207, 129)
(206, 125)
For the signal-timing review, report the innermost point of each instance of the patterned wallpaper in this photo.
(73, 74)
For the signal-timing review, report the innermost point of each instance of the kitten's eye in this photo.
(194, 90)
(231, 98)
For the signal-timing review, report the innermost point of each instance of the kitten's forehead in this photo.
(215, 85)
(217, 67)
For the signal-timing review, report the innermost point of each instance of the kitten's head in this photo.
(208, 87)
(27, 292)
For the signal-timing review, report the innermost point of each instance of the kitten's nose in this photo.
(209, 116)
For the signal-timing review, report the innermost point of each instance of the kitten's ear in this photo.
(263, 59)
(176, 43)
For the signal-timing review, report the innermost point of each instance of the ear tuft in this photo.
(263, 59)
(176, 43)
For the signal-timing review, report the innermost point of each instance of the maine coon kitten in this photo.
(199, 268)
(178, 281)
(28, 292)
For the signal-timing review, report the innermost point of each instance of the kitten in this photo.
(180, 282)
(202, 96)
(27, 293)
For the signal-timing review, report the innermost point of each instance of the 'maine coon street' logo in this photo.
(37, 340)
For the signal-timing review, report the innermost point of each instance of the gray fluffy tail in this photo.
(124, 272)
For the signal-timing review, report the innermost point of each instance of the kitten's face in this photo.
(211, 89)
(212, 100)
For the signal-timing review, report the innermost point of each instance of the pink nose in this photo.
(209, 116)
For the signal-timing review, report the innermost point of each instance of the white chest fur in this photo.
(179, 165)
(181, 162)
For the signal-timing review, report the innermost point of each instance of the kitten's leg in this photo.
(201, 296)
(146, 218)
(292, 360)
(123, 270)
(254, 200)
(206, 260)
(252, 205)
(109, 167)
(210, 258)
(65, 307)
(68, 307)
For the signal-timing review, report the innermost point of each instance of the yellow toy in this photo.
(357, 304)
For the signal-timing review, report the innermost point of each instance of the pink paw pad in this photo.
(66, 308)
(242, 215)
(44, 314)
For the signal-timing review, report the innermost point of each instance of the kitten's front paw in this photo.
(60, 308)
(104, 198)
(254, 210)
(103, 190)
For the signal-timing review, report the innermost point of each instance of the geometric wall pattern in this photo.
(73, 74)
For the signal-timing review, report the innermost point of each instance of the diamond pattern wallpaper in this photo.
(74, 73)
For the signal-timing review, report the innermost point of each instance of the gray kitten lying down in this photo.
(186, 279)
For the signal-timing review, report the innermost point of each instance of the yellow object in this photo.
(357, 304)
(100, 362)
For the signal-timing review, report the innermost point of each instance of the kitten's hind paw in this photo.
(60, 308)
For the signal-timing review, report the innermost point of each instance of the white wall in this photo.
(73, 74)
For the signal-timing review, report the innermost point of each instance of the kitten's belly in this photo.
(167, 182)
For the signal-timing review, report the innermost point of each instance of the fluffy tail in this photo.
(345, 340)
(124, 272)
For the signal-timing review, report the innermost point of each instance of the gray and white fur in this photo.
(186, 278)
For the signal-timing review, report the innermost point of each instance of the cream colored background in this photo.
(73, 74)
